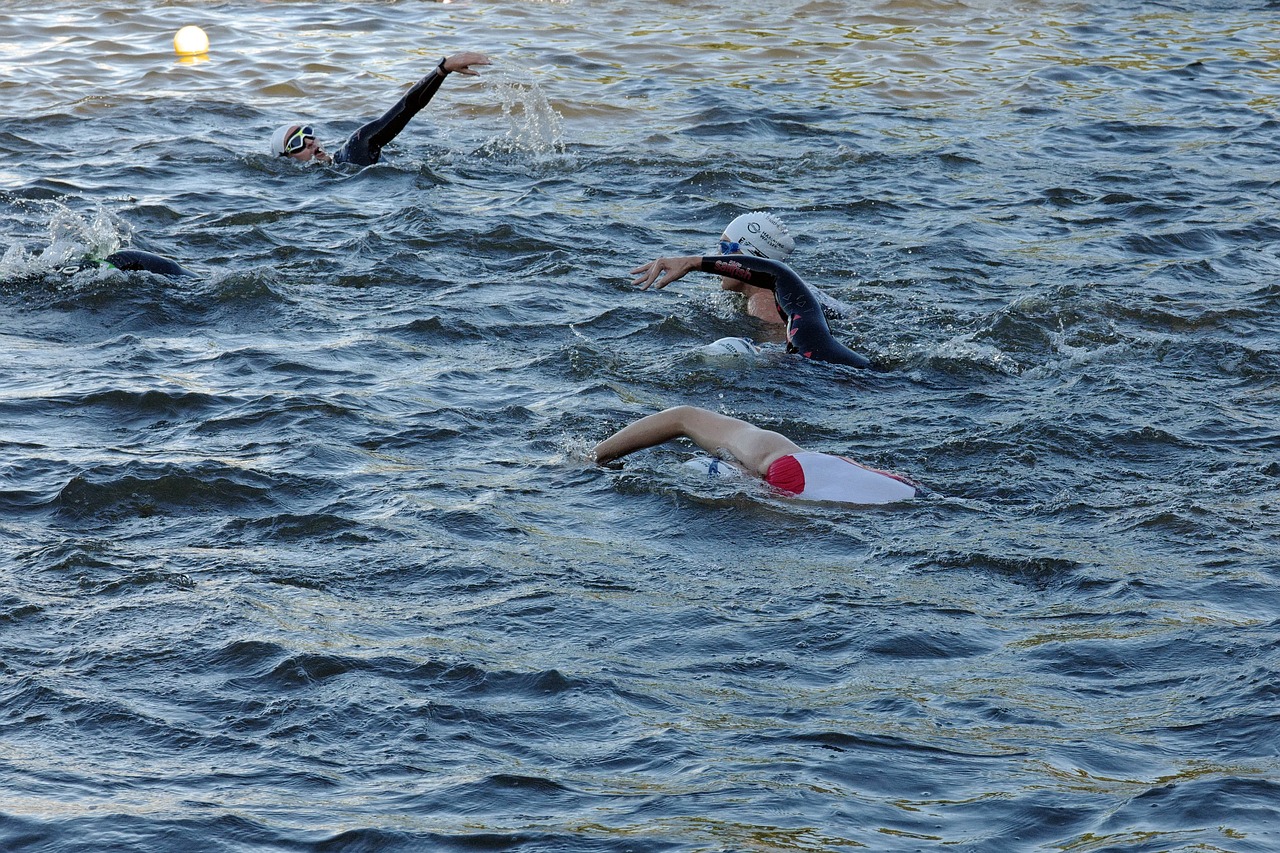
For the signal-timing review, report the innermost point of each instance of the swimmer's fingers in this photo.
(646, 275)
(460, 63)
(661, 272)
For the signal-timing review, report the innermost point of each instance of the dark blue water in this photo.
(304, 554)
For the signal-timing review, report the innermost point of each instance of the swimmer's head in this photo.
(730, 346)
(712, 467)
(297, 141)
(759, 233)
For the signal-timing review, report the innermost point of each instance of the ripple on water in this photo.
(303, 553)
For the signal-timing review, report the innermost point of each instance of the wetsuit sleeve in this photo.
(136, 259)
(807, 329)
(364, 147)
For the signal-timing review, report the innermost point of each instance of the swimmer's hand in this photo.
(662, 271)
(461, 63)
(603, 458)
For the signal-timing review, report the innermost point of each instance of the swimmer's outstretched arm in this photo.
(364, 146)
(807, 330)
(753, 447)
(390, 125)
(660, 272)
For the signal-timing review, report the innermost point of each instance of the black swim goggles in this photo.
(298, 141)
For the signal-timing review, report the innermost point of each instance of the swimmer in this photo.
(297, 141)
(134, 260)
(769, 455)
(793, 300)
(764, 235)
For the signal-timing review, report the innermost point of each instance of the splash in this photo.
(575, 448)
(965, 348)
(72, 237)
(533, 125)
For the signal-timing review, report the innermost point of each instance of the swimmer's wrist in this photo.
(444, 72)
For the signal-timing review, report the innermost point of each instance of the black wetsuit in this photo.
(364, 147)
(136, 259)
(807, 330)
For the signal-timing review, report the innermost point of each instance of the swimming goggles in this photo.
(298, 141)
(729, 247)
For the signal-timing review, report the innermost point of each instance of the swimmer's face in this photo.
(729, 247)
(310, 149)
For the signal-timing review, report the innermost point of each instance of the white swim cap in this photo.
(761, 234)
(281, 134)
(712, 467)
(730, 346)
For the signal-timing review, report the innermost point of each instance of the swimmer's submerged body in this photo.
(806, 326)
(133, 260)
(823, 477)
(771, 456)
(136, 259)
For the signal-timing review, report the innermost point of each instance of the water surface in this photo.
(303, 554)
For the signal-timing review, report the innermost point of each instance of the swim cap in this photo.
(278, 138)
(730, 346)
(712, 467)
(762, 234)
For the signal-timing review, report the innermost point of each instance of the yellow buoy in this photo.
(190, 41)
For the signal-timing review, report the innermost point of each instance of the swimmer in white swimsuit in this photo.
(773, 457)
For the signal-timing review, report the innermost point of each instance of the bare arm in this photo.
(755, 448)
(662, 271)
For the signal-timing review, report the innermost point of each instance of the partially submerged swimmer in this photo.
(806, 326)
(764, 235)
(297, 140)
(769, 455)
(135, 260)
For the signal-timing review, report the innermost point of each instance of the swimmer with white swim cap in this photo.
(751, 262)
(297, 140)
(764, 235)
(769, 455)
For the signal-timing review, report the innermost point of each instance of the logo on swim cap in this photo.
(762, 234)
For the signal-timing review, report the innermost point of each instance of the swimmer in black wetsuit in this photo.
(764, 235)
(134, 260)
(807, 330)
(297, 140)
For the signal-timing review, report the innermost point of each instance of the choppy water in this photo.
(302, 555)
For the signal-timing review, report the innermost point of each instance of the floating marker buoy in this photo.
(190, 41)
